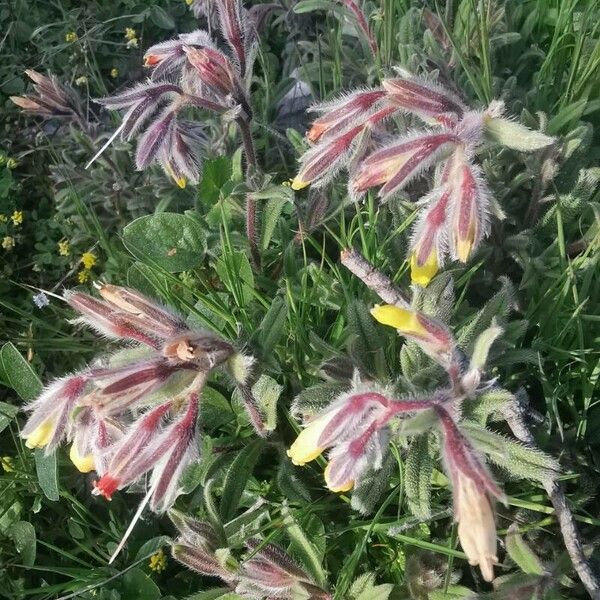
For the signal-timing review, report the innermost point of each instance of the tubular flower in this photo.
(472, 489)
(431, 335)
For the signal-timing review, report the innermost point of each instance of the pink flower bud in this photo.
(342, 113)
(214, 70)
(429, 101)
(395, 165)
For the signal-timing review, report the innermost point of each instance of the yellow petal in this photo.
(423, 274)
(85, 464)
(40, 436)
(306, 447)
(181, 182)
(402, 319)
(298, 184)
(345, 487)
(463, 249)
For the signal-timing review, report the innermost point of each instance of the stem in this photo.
(373, 278)
(514, 416)
(251, 166)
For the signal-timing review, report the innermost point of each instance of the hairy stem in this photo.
(251, 166)
(514, 415)
(373, 278)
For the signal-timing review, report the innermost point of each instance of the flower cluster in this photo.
(190, 71)
(356, 428)
(454, 217)
(100, 410)
(267, 571)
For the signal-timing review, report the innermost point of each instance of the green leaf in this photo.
(267, 391)
(237, 477)
(215, 174)
(371, 486)
(272, 326)
(235, 272)
(303, 547)
(213, 594)
(418, 470)
(7, 413)
(151, 546)
(269, 219)
(516, 136)
(161, 18)
(23, 535)
(305, 6)
(215, 411)
(310, 401)
(482, 346)
(47, 473)
(171, 241)
(136, 584)
(521, 553)
(19, 374)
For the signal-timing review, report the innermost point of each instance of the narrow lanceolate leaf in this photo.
(521, 553)
(304, 548)
(394, 166)
(47, 473)
(237, 477)
(516, 136)
(418, 470)
(18, 373)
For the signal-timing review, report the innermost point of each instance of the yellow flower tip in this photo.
(306, 447)
(298, 184)
(423, 274)
(345, 487)
(40, 436)
(181, 182)
(405, 321)
(463, 249)
(114, 72)
(85, 464)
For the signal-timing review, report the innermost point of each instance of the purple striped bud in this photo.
(362, 23)
(236, 29)
(214, 70)
(469, 208)
(169, 57)
(429, 101)
(271, 573)
(51, 99)
(151, 143)
(342, 113)
(395, 165)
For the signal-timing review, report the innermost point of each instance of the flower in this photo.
(114, 72)
(130, 33)
(71, 36)
(88, 259)
(11, 163)
(40, 300)
(8, 242)
(7, 463)
(3, 218)
(84, 276)
(432, 336)
(306, 446)
(82, 80)
(84, 464)
(64, 248)
(133, 43)
(158, 562)
(17, 217)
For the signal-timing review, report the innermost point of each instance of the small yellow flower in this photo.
(402, 319)
(83, 276)
(130, 33)
(306, 447)
(158, 562)
(298, 184)
(8, 242)
(423, 274)
(64, 248)
(81, 80)
(84, 464)
(3, 218)
(189, 2)
(41, 436)
(114, 72)
(7, 464)
(11, 163)
(133, 43)
(71, 37)
(17, 217)
(89, 260)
